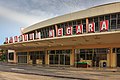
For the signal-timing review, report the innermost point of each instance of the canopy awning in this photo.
(74, 40)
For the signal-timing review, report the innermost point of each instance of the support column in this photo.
(15, 57)
(112, 58)
(46, 58)
(87, 24)
(72, 57)
(28, 57)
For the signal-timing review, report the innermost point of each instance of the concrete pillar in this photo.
(108, 60)
(15, 57)
(87, 24)
(46, 58)
(112, 58)
(109, 57)
(28, 57)
(72, 57)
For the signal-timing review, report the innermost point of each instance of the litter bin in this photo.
(104, 64)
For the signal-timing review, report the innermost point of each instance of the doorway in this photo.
(118, 60)
(96, 57)
(95, 60)
(118, 56)
(59, 59)
(37, 57)
(22, 59)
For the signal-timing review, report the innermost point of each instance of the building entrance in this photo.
(118, 56)
(118, 60)
(22, 57)
(37, 57)
(92, 57)
(59, 57)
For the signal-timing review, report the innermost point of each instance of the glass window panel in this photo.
(74, 29)
(84, 28)
(70, 23)
(56, 59)
(113, 15)
(96, 19)
(78, 22)
(118, 15)
(118, 21)
(107, 17)
(113, 24)
(101, 18)
(88, 56)
(51, 59)
(82, 56)
(11, 56)
(74, 23)
(96, 26)
(84, 21)
(67, 59)
(62, 59)
(90, 20)
(51, 52)
(118, 50)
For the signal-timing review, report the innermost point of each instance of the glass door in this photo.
(67, 59)
(22, 59)
(56, 59)
(118, 56)
(59, 57)
(62, 59)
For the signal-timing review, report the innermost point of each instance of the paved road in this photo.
(58, 73)
(18, 76)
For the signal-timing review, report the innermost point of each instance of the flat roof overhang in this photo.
(87, 40)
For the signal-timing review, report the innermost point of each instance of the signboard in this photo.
(6, 40)
(60, 32)
(31, 36)
(15, 38)
(51, 33)
(91, 27)
(79, 29)
(37, 35)
(69, 30)
(104, 26)
(25, 37)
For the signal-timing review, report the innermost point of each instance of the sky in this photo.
(17, 14)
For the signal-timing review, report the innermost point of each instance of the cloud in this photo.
(24, 18)
(32, 11)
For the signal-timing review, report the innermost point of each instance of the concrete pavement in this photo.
(63, 72)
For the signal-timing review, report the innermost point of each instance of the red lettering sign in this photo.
(6, 40)
(51, 33)
(104, 25)
(79, 29)
(15, 38)
(11, 40)
(20, 38)
(25, 37)
(31, 36)
(37, 35)
(60, 32)
(91, 27)
(69, 30)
